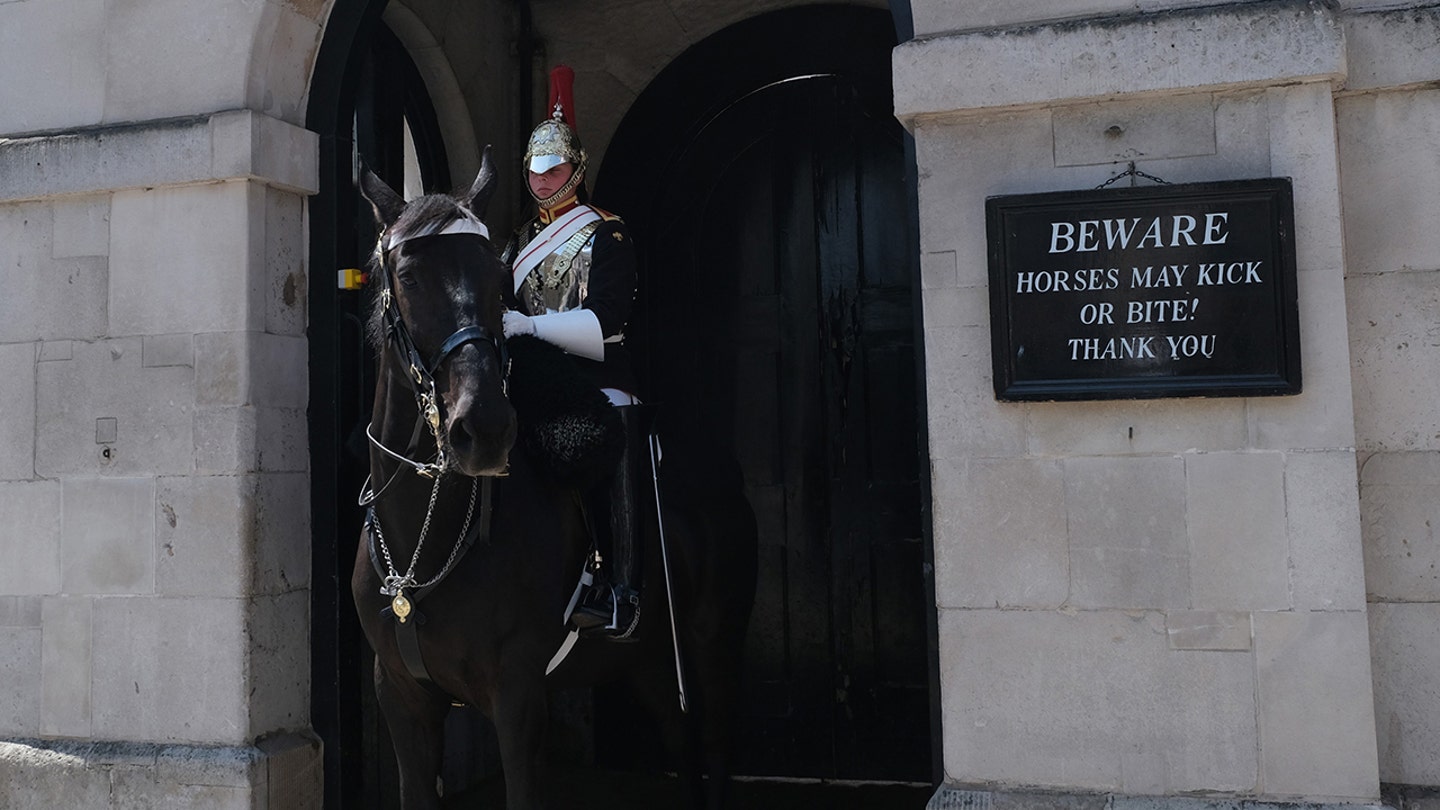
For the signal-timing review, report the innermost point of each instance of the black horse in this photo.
(472, 550)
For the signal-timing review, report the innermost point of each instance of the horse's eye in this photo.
(406, 279)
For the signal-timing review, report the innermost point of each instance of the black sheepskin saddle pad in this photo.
(566, 425)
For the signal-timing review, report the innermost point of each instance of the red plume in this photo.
(562, 95)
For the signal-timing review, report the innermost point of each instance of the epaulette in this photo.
(606, 215)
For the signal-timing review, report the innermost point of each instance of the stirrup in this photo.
(607, 615)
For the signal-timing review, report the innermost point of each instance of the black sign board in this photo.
(1160, 291)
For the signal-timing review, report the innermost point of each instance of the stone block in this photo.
(151, 407)
(1092, 701)
(45, 776)
(1395, 361)
(206, 61)
(180, 260)
(20, 611)
(161, 351)
(204, 535)
(251, 368)
(107, 536)
(30, 535)
(1323, 523)
(956, 307)
(1215, 630)
(295, 771)
(1019, 150)
(1302, 148)
(288, 287)
(1391, 49)
(1322, 416)
(225, 440)
(283, 440)
(1235, 515)
(151, 650)
(1117, 131)
(17, 412)
(65, 667)
(1400, 513)
(282, 533)
(965, 419)
(1128, 547)
(244, 144)
(281, 86)
(140, 790)
(63, 86)
(1135, 426)
(1247, 44)
(1405, 660)
(1391, 180)
(278, 686)
(82, 227)
(1316, 707)
(938, 270)
(46, 297)
(1000, 533)
(19, 681)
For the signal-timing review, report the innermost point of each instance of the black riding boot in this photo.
(611, 606)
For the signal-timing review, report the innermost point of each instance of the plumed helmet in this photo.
(554, 140)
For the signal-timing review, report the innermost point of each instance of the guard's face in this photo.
(546, 183)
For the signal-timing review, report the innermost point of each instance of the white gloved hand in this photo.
(516, 324)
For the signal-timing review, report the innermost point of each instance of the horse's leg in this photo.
(718, 685)
(520, 717)
(416, 721)
(655, 689)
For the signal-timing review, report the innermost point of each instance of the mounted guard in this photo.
(573, 287)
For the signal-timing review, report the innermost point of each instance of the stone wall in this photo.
(1168, 597)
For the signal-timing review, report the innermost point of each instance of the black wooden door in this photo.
(777, 315)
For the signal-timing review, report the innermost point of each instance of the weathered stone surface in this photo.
(1405, 659)
(17, 412)
(151, 650)
(46, 297)
(1235, 515)
(45, 776)
(295, 772)
(287, 284)
(1391, 180)
(1135, 426)
(1128, 547)
(160, 351)
(1323, 523)
(152, 408)
(205, 61)
(65, 667)
(1092, 701)
(204, 535)
(1395, 360)
(63, 86)
(965, 419)
(180, 260)
(1316, 707)
(278, 630)
(19, 681)
(1400, 510)
(82, 227)
(1116, 131)
(281, 533)
(1208, 630)
(251, 368)
(1000, 533)
(30, 529)
(1302, 148)
(107, 536)
(1391, 49)
(1249, 44)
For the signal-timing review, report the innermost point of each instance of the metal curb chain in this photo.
(394, 582)
(1132, 173)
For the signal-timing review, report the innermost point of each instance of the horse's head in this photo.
(437, 312)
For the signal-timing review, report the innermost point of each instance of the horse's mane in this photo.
(427, 214)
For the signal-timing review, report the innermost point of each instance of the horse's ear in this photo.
(477, 199)
(387, 204)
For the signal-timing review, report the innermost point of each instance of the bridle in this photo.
(420, 374)
(405, 589)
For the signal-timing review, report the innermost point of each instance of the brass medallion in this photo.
(401, 606)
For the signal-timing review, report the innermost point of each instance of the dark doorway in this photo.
(771, 201)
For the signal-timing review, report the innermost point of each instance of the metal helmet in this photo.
(554, 140)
